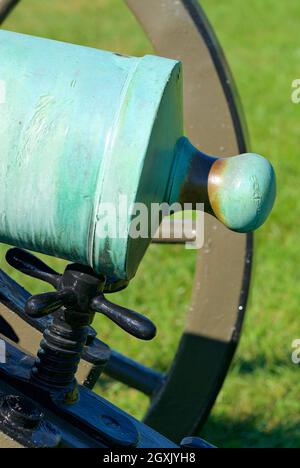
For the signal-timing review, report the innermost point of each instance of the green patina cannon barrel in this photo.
(80, 129)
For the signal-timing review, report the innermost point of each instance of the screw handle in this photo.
(133, 323)
(30, 265)
(78, 288)
(40, 305)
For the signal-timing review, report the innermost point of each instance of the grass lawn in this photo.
(259, 404)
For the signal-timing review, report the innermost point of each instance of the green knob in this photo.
(239, 191)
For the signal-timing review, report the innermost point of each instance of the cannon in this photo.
(80, 127)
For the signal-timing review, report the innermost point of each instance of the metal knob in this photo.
(239, 191)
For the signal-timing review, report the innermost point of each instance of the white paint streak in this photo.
(2, 92)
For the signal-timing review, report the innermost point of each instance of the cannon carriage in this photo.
(182, 399)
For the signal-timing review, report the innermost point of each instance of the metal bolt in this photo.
(17, 411)
(23, 421)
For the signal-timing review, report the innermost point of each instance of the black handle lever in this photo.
(40, 305)
(76, 288)
(133, 323)
(32, 266)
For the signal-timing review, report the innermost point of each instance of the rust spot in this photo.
(215, 180)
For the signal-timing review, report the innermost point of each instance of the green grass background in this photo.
(259, 404)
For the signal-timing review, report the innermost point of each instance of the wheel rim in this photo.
(220, 294)
(5, 8)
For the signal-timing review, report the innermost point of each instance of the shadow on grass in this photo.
(247, 434)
